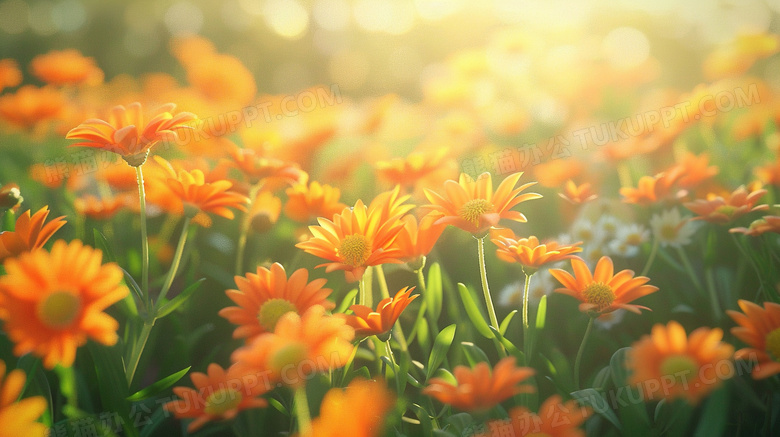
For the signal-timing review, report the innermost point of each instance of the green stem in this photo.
(624, 174)
(139, 174)
(302, 411)
(368, 283)
(578, 360)
(362, 290)
(651, 258)
(689, 268)
(752, 264)
(175, 264)
(716, 311)
(138, 348)
(526, 290)
(485, 289)
(382, 282)
(245, 223)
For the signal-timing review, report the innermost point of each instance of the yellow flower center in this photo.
(273, 310)
(726, 209)
(221, 401)
(354, 250)
(773, 344)
(681, 367)
(599, 294)
(59, 309)
(473, 209)
(634, 239)
(669, 232)
(288, 357)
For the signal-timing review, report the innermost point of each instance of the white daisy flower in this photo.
(608, 320)
(633, 234)
(621, 248)
(587, 232)
(672, 229)
(608, 225)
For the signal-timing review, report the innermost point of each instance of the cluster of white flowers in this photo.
(606, 236)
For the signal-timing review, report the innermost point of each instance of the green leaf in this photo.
(155, 420)
(36, 384)
(425, 419)
(349, 300)
(441, 345)
(113, 384)
(433, 292)
(424, 336)
(716, 411)
(102, 244)
(134, 288)
(505, 323)
(596, 400)
(474, 313)
(176, 302)
(541, 314)
(473, 353)
(618, 366)
(158, 386)
(510, 347)
(278, 406)
(602, 378)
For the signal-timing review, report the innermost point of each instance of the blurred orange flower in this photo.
(473, 205)
(356, 238)
(219, 394)
(66, 67)
(53, 301)
(265, 211)
(695, 170)
(263, 298)
(260, 168)
(360, 410)
(578, 193)
(10, 75)
(555, 419)
(423, 168)
(99, 208)
(653, 189)
(19, 417)
(767, 223)
(686, 364)
(603, 291)
(716, 209)
(307, 202)
(198, 195)
(127, 134)
(760, 329)
(30, 105)
(479, 390)
(300, 346)
(368, 322)
(531, 254)
(30, 233)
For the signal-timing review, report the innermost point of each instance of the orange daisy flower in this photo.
(53, 301)
(65, 67)
(555, 419)
(300, 346)
(19, 418)
(368, 322)
(30, 233)
(359, 410)
(307, 202)
(218, 395)
(603, 291)
(695, 170)
(197, 195)
(760, 329)
(417, 168)
(127, 134)
(479, 390)
(416, 241)
(97, 208)
(473, 205)
(263, 298)
(653, 189)
(577, 194)
(10, 75)
(767, 223)
(257, 167)
(679, 366)
(30, 105)
(531, 254)
(355, 239)
(716, 209)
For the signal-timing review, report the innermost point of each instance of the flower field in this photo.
(566, 226)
